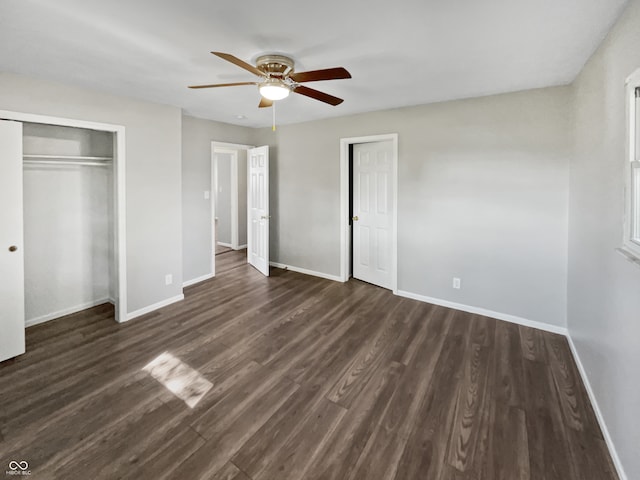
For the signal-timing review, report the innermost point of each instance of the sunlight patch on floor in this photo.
(179, 378)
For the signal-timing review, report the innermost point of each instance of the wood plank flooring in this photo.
(222, 249)
(311, 379)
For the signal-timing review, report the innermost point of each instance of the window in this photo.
(632, 171)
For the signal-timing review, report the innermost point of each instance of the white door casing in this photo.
(373, 212)
(12, 325)
(120, 207)
(258, 209)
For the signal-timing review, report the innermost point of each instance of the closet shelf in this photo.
(65, 157)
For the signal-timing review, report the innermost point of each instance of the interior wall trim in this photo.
(202, 278)
(547, 327)
(155, 306)
(594, 403)
(335, 278)
(67, 311)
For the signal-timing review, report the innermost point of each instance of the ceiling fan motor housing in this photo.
(275, 65)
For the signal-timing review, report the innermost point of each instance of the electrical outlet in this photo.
(168, 279)
(456, 283)
(206, 195)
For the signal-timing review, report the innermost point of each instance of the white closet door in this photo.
(11, 242)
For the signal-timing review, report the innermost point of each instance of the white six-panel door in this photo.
(373, 212)
(11, 244)
(258, 209)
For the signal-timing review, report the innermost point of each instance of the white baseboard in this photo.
(598, 412)
(223, 244)
(198, 280)
(241, 247)
(155, 306)
(335, 278)
(487, 313)
(65, 311)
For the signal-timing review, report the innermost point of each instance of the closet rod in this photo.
(58, 162)
(64, 157)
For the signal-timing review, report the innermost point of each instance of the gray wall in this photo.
(154, 243)
(197, 135)
(223, 198)
(483, 195)
(604, 288)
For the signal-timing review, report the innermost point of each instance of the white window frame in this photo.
(631, 241)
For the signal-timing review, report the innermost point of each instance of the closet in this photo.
(67, 216)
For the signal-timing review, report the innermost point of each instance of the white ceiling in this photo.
(401, 53)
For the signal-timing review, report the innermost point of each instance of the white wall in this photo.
(197, 135)
(68, 239)
(604, 288)
(153, 186)
(483, 195)
(223, 197)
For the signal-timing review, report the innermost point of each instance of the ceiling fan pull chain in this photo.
(273, 128)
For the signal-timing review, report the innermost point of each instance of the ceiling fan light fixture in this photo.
(274, 89)
(277, 79)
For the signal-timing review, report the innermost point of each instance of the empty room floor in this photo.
(296, 377)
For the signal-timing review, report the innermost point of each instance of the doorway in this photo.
(230, 191)
(228, 205)
(369, 171)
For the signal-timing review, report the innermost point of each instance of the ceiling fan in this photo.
(278, 79)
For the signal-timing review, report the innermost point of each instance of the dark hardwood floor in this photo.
(222, 249)
(295, 377)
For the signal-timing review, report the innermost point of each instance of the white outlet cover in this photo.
(206, 195)
(168, 279)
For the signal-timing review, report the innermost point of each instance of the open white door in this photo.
(373, 212)
(258, 209)
(11, 244)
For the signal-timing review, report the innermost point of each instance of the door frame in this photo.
(119, 168)
(345, 232)
(224, 147)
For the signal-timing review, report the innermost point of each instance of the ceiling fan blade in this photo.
(265, 102)
(215, 85)
(239, 63)
(317, 95)
(316, 75)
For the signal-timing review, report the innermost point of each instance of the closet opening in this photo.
(68, 216)
(73, 216)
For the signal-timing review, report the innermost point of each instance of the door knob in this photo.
(13, 248)
(355, 219)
